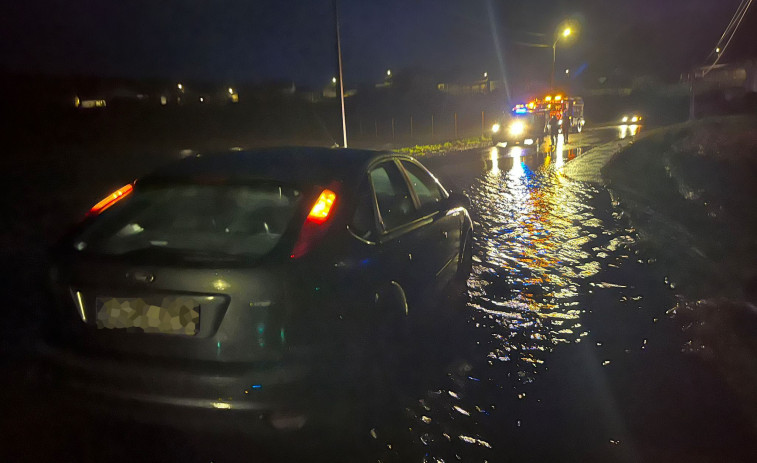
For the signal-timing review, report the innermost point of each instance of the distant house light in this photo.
(163, 100)
(89, 104)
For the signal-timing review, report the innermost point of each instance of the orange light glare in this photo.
(558, 98)
(111, 199)
(549, 98)
(322, 207)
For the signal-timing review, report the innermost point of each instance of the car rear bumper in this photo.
(272, 395)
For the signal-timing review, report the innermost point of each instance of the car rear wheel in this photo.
(384, 356)
(368, 379)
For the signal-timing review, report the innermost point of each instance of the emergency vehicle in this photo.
(571, 108)
(528, 123)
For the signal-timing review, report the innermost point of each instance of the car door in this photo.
(400, 239)
(441, 239)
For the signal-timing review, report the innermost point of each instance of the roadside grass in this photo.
(460, 144)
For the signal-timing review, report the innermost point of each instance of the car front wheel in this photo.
(465, 262)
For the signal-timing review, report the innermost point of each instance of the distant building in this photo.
(472, 88)
(89, 103)
(333, 92)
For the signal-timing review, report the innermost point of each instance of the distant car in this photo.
(632, 118)
(229, 281)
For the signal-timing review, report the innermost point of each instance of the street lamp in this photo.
(565, 33)
(486, 75)
(180, 87)
(389, 73)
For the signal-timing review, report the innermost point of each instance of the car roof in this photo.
(291, 165)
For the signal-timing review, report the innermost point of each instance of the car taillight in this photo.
(111, 199)
(316, 224)
(322, 207)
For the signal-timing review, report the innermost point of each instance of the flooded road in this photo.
(567, 353)
(563, 349)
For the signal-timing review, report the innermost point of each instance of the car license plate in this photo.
(168, 315)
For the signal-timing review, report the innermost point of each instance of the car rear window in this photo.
(194, 221)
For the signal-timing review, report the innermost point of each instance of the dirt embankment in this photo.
(690, 190)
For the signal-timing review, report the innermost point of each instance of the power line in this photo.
(733, 26)
(733, 21)
(527, 44)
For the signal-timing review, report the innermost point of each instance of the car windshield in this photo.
(194, 221)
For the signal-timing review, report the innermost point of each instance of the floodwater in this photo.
(567, 347)
(567, 350)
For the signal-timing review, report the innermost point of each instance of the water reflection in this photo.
(628, 130)
(494, 158)
(538, 244)
(532, 249)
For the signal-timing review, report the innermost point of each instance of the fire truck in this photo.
(528, 123)
(571, 108)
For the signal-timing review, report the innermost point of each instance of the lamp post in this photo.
(565, 33)
(341, 75)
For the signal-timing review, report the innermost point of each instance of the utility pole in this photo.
(565, 33)
(341, 80)
(554, 57)
(692, 108)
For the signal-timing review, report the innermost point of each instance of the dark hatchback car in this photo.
(230, 281)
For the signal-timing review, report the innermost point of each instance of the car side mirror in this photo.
(458, 198)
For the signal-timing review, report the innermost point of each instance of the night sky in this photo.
(259, 40)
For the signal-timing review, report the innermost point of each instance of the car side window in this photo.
(392, 195)
(363, 222)
(425, 186)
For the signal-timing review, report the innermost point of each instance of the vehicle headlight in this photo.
(625, 118)
(517, 128)
(634, 119)
(495, 128)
